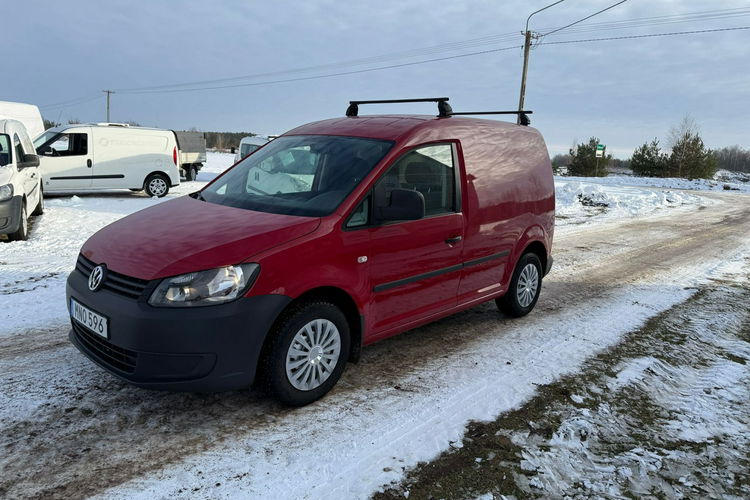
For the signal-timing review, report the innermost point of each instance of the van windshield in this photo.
(298, 175)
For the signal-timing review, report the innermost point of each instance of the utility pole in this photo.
(526, 48)
(108, 92)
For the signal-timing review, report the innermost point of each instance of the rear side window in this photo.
(427, 169)
(70, 144)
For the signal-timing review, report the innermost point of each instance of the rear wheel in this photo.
(156, 185)
(39, 210)
(524, 289)
(191, 173)
(22, 234)
(307, 353)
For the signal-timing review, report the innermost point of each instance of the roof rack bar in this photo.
(492, 112)
(524, 119)
(444, 108)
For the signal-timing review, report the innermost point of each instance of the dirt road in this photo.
(69, 429)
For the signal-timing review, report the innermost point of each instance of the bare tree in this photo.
(686, 128)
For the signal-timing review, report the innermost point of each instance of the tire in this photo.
(156, 185)
(191, 173)
(524, 289)
(294, 367)
(39, 210)
(22, 234)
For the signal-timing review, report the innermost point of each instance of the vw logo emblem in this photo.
(96, 278)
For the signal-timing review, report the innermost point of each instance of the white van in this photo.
(248, 145)
(108, 156)
(20, 181)
(28, 114)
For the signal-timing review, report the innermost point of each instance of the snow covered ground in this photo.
(402, 404)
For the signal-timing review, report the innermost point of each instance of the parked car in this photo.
(28, 114)
(248, 145)
(335, 235)
(192, 148)
(20, 181)
(108, 156)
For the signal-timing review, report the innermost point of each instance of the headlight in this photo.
(205, 288)
(6, 192)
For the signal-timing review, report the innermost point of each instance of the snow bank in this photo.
(580, 200)
(723, 181)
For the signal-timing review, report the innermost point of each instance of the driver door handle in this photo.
(453, 240)
(88, 163)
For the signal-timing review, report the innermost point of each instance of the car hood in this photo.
(186, 235)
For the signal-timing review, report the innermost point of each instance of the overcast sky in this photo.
(625, 92)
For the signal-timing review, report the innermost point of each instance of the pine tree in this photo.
(690, 158)
(649, 161)
(583, 160)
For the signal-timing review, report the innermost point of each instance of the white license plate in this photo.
(88, 318)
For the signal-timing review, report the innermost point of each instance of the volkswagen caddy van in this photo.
(337, 234)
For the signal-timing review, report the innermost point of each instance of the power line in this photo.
(342, 73)
(464, 44)
(628, 37)
(425, 61)
(585, 18)
(71, 102)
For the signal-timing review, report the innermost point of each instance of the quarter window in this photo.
(429, 170)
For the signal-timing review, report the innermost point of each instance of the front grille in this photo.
(117, 357)
(114, 282)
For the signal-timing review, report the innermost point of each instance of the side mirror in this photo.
(406, 204)
(29, 161)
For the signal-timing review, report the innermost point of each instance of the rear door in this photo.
(415, 266)
(67, 160)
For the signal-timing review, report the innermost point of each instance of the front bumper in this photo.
(10, 215)
(206, 349)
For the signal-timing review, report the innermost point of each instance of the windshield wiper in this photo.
(197, 195)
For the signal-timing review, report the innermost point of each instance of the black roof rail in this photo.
(444, 109)
(522, 115)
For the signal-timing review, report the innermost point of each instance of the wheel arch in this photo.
(340, 299)
(537, 247)
(159, 172)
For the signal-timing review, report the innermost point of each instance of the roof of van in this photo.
(28, 114)
(390, 127)
(114, 126)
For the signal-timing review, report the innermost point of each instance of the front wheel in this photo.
(524, 288)
(22, 234)
(307, 353)
(156, 185)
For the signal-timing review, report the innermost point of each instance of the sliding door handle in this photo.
(88, 163)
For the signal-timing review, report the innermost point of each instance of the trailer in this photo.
(192, 147)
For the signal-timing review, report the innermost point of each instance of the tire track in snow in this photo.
(73, 430)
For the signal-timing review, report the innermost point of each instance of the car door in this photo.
(415, 266)
(67, 160)
(28, 175)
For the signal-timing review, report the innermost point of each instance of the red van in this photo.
(335, 235)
